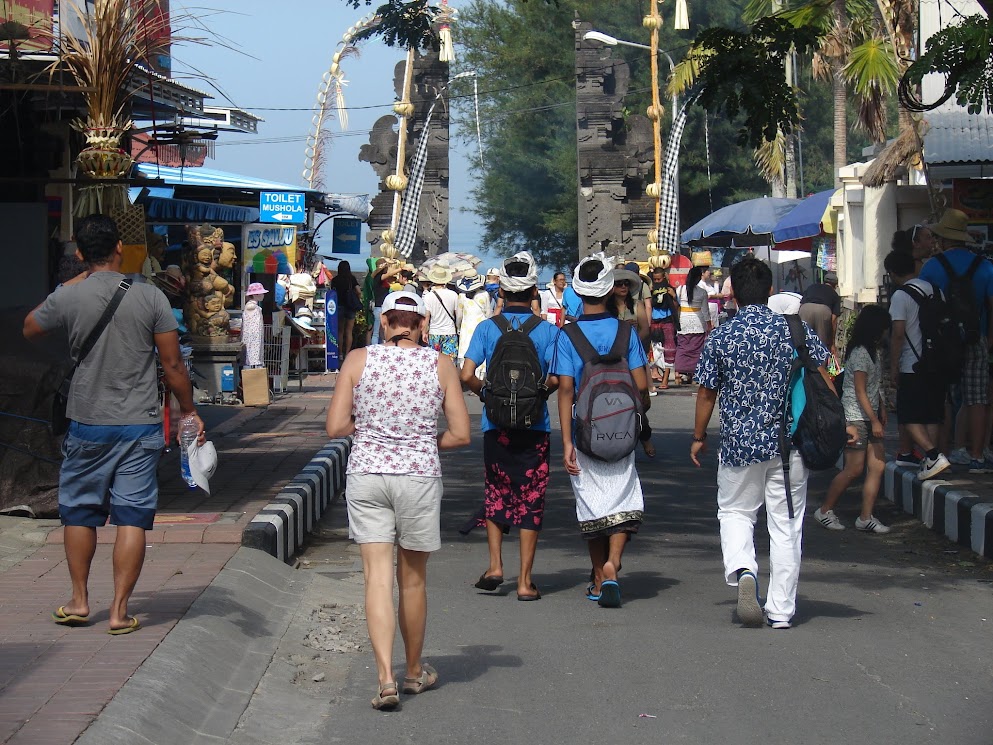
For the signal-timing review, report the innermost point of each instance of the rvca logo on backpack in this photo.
(515, 384)
(608, 410)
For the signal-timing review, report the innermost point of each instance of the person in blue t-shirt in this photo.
(609, 499)
(515, 460)
(572, 304)
(973, 387)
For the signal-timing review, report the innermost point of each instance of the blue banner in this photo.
(331, 330)
(346, 236)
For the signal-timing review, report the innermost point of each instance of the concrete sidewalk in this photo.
(54, 681)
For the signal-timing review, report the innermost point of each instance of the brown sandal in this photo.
(387, 701)
(427, 679)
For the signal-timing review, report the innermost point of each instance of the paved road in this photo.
(891, 642)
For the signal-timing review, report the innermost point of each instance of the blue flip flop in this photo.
(610, 594)
(589, 592)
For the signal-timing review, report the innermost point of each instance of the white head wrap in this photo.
(602, 285)
(519, 284)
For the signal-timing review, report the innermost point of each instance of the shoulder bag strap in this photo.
(586, 351)
(97, 331)
(530, 324)
(973, 267)
(502, 323)
(445, 307)
(798, 338)
(619, 349)
(947, 266)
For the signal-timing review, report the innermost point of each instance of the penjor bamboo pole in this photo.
(408, 79)
(657, 120)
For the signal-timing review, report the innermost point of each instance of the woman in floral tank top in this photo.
(388, 397)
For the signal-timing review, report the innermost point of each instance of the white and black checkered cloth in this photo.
(669, 218)
(407, 227)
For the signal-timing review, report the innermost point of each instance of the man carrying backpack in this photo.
(602, 370)
(967, 283)
(747, 362)
(920, 394)
(516, 347)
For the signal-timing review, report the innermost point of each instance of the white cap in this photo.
(413, 302)
(203, 463)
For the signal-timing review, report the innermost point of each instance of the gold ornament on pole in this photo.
(653, 21)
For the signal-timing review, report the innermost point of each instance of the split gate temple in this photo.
(614, 154)
(430, 76)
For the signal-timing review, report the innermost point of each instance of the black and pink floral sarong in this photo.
(516, 478)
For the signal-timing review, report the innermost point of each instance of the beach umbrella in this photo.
(459, 263)
(810, 218)
(747, 223)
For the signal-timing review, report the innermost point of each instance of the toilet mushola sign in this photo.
(282, 207)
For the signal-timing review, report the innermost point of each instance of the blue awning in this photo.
(213, 178)
(184, 210)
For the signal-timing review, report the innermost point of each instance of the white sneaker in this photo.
(931, 467)
(960, 457)
(828, 519)
(872, 525)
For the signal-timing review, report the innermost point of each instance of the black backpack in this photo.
(515, 386)
(821, 434)
(961, 299)
(942, 352)
(608, 411)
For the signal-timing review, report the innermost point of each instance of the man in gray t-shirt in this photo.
(114, 441)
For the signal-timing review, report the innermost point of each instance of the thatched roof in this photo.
(904, 151)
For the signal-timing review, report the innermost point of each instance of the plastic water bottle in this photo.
(188, 432)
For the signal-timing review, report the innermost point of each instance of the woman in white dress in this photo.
(473, 308)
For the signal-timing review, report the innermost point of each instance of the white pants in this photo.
(741, 491)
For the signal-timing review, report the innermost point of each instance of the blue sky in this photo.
(271, 56)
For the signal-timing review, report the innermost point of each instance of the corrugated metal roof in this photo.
(956, 136)
(211, 177)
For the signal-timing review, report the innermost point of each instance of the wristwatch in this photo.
(700, 439)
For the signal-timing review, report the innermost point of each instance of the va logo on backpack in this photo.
(515, 386)
(608, 410)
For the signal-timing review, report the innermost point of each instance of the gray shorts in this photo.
(394, 508)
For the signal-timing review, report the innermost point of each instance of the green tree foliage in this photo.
(742, 72)
(962, 54)
(524, 55)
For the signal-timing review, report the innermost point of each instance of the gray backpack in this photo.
(608, 410)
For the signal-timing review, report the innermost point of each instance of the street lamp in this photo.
(613, 41)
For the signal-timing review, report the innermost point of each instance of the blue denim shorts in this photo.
(110, 471)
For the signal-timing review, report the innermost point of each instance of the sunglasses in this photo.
(915, 230)
(622, 283)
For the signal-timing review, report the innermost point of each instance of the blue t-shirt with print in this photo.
(484, 341)
(571, 302)
(748, 361)
(960, 258)
(601, 330)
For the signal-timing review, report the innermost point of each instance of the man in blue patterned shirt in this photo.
(745, 366)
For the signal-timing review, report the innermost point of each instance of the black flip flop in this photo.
(527, 598)
(488, 582)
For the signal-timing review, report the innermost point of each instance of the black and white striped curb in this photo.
(943, 506)
(283, 525)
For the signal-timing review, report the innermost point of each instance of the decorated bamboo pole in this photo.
(653, 22)
(397, 182)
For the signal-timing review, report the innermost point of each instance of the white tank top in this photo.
(396, 405)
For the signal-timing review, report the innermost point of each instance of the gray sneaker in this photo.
(749, 610)
(828, 519)
(931, 467)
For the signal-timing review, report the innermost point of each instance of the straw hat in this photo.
(470, 281)
(633, 278)
(439, 275)
(953, 226)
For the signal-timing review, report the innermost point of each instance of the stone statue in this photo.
(208, 292)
